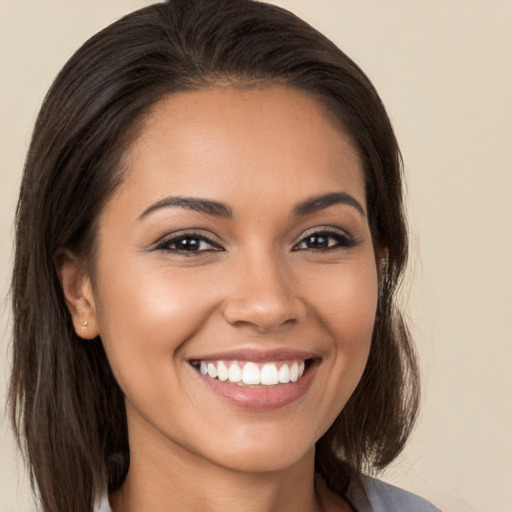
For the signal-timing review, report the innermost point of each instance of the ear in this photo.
(77, 288)
(383, 261)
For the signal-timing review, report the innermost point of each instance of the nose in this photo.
(264, 297)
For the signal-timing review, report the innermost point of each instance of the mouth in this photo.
(257, 380)
(253, 373)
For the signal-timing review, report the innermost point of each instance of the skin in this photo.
(260, 285)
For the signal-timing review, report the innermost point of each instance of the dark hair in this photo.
(67, 409)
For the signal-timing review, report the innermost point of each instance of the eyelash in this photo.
(342, 241)
(167, 243)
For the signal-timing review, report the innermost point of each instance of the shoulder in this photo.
(373, 495)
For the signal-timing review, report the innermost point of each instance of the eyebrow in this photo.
(317, 203)
(217, 209)
(192, 203)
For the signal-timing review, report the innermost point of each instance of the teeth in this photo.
(249, 373)
(235, 373)
(222, 371)
(269, 375)
(294, 372)
(302, 366)
(212, 370)
(284, 374)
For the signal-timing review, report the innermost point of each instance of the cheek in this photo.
(355, 323)
(346, 300)
(347, 308)
(146, 314)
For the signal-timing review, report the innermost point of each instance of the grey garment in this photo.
(377, 496)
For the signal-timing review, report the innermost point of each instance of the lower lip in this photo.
(261, 398)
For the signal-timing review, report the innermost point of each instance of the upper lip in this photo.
(256, 355)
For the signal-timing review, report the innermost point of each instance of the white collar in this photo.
(102, 504)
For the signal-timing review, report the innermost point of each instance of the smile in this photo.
(249, 373)
(256, 379)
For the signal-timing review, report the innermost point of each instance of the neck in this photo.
(178, 480)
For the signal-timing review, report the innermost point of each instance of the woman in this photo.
(210, 233)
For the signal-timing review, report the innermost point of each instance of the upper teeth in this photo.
(251, 373)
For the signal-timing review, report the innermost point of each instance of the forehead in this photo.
(222, 141)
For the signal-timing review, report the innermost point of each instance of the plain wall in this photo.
(444, 70)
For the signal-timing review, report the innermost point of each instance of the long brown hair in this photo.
(67, 409)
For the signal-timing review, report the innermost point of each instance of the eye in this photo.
(187, 243)
(325, 240)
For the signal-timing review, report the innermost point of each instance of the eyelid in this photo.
(331, 231)
(325, 229)
(164, 242)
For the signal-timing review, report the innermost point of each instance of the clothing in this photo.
(382, 497)
(377, 496)
(103, 505)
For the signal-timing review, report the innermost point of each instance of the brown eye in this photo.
(317, 241)
(325, 240)
(188, 243)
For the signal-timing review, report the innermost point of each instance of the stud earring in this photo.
(84, 325)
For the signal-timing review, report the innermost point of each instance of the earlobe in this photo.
(382, 261)
(77, 289)
(382, 271)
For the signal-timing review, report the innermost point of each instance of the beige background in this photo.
(444, 70)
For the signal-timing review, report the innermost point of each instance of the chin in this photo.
(262, 449)
(265, 460)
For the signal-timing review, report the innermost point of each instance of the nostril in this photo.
(263, 314)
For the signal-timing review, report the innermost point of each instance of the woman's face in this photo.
(238, 247)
